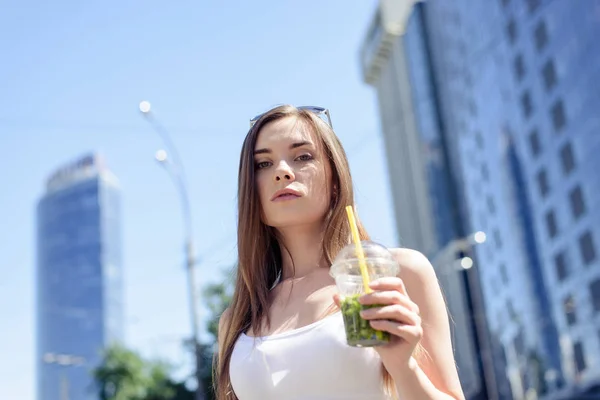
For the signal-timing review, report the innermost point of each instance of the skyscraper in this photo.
(499, 96)
(79, 277)
(425, 181)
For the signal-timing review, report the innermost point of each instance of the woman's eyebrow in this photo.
(292, 146)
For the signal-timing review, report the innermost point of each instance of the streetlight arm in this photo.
(186, 210)
(166, 138)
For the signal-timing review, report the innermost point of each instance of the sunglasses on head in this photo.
(319, 111)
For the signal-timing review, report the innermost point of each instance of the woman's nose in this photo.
(284, 172)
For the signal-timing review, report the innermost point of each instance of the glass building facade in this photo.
(424, 181)
(79, 278)
(501, 95)
(552, 56)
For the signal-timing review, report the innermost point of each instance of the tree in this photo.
(124, 375)
(217, 297)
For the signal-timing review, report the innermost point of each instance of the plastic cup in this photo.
(349, 281)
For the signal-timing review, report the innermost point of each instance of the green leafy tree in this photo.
(217, 297)
(124, 375)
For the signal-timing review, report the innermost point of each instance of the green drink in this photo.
(346, 271)
(359, 332)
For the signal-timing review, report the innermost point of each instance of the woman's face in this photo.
(292, 173)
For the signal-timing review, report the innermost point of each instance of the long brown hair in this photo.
(259, 251)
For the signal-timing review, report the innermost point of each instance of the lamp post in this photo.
(174, 167)
(457, 254)
(63, 360)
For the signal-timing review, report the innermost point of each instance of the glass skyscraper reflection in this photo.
(79, 277)
(489, 114)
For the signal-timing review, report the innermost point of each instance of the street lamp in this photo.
(448, 253)
(174, 167)
(63, 360)
(454, 264)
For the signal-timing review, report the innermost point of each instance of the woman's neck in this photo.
(301, 251)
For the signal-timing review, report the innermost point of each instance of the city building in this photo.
(549, 58)
(79, 277)
(425, 181)
(489, 109)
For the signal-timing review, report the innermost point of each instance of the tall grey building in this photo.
(79, 277)
(425, 181)
(500, 97)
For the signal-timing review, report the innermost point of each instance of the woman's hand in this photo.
(396, 314)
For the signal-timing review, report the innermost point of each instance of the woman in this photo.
(283, 336)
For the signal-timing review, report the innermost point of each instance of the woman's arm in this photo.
(411, 307)
(435, 368)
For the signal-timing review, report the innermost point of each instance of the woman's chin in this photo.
(295, 221)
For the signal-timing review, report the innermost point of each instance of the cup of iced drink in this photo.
(346, 270)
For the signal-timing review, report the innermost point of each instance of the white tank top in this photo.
(313, 362)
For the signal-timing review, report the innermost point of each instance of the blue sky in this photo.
(71, 78)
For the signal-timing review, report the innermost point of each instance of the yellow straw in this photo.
(359, 250)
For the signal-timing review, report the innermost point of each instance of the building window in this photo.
(476, 188)
(462, 125)
(511, 30)
(479, 140)
(519, 66)
(497, 239)
(577, 202)
(579, 357)
(491, 205)
(485, 173)
(532, 5)
(482, 220)
(549, 75)
(595, 294)
(468, 79)
(500, 317)
(551, 226)
(540, 35)
(559, 118)
(472, 108)
(512, 315)
(462, 48)
(542, 180)
(534, 142)
(569, 310)
(526, 104)
(503, 274)
(560, 264)
(587, 248)
(567, 158)
(519, 342)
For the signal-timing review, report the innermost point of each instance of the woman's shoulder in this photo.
(414, 265)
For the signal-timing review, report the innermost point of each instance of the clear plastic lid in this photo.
(379, 259)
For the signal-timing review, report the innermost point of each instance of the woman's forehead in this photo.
(285, 130)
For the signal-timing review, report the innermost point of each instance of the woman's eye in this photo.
(305, 157)
(263, 164)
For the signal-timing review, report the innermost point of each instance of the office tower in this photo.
(500, 96)
(79, 277)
